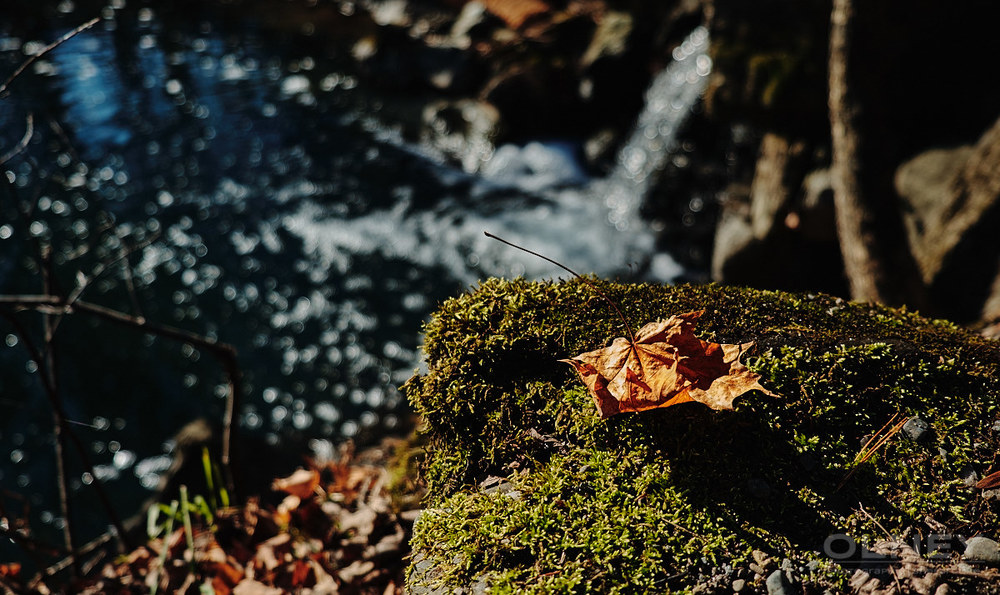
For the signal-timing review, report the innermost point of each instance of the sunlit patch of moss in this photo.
(610, 502)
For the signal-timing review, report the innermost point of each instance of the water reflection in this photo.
(239, 187)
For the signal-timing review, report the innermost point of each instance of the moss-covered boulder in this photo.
(669, 499)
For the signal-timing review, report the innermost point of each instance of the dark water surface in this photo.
(240, 184)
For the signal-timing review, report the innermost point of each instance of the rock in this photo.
(489, 380)
(472, 17)
(462, 129)
(772, 191)
(982, 550)
(778, 221)
(814, 211)
(924, 183)
(969, 476)
(779, 584)
(610, 38)
(916, 429)
(956, 212)
(761, 558)
(738, 585)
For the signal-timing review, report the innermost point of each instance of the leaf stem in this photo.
(592, 285)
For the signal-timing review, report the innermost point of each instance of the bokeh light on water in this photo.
(241, 185)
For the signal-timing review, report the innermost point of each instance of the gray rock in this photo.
(473, 15)
(916, 429)
(816, 214)
(982, 550)
(462, 129)
(924, 183)
(738, 585)
(610, 38)
(778, 584)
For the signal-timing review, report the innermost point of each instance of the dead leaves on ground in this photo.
(334, 532)
(665, 365)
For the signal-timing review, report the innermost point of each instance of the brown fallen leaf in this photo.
(302, 483)
(989, 482)
(665, 364)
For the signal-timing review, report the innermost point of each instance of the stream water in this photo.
(243, 189)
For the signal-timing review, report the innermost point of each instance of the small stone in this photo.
(778, 584)
(757, 568)
(760, 557)
(916, 429)
(969, 476)
(943, 589)
(982, 550)
(738, 585)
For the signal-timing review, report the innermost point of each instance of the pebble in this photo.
(761, 558)
(982, 549)
(778, 584)
(738, 585)
(916, 429)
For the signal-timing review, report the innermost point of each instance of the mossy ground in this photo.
(652, 501)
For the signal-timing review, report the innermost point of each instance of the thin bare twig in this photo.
(84, 281)
(29, 131)
(224, 352)
(47, 370)
(24, 65)
(593, 286)
(63, 430)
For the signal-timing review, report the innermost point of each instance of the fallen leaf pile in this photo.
(334, 532)
(665, 365)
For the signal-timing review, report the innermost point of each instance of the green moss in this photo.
(650, 501)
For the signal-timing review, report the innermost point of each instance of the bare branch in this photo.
(24, 65)
(29, 131)
(62, 428)
(224, 352)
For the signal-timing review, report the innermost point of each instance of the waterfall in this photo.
(669, 101)
(537, 197)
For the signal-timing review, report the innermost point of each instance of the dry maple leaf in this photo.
(664, 365)
(302, 483)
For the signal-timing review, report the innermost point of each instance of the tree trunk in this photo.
(877, 260)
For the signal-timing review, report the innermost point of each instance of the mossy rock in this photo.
(661, 500)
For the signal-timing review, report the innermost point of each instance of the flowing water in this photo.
(241, 188)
